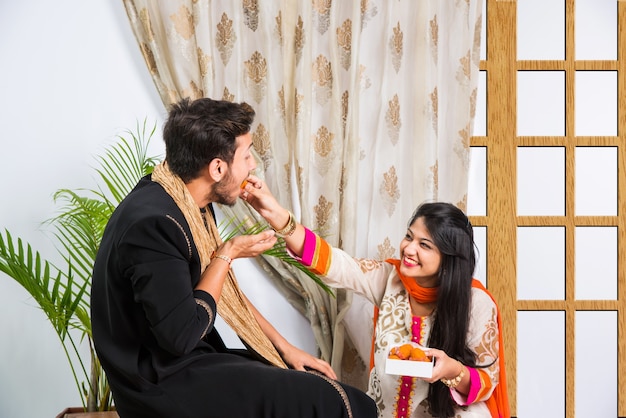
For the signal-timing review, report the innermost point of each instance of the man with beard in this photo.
(162, 274)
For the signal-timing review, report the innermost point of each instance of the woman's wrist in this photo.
(289, 227)
(455, 381)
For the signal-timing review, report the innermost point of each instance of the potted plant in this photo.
(62, 291)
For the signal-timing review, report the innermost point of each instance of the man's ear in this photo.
(216, 169)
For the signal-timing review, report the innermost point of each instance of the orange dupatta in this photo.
(498, 402)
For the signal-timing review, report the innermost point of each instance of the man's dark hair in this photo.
(198, 131)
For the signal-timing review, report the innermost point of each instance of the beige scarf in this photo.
(232, 305)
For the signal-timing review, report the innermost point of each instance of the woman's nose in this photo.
(409, 248)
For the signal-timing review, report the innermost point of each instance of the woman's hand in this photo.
(259, 196)
(445, 367)
(301, 360)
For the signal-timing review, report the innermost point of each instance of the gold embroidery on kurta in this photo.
(225, 38)
(396, 47)
(344, 40)
(389, 191)
(256, 72)
(487, 350)
(323, 78)
(375, 390)
(183, 22)
(251, 14)
(392, 118)
(367, 264)
(392, 327)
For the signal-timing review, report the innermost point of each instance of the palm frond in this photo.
(228, 229)
(79, 228)
(124, 164)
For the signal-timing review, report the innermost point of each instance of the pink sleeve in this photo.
(473, 391)
(309, 247)
(316, 254)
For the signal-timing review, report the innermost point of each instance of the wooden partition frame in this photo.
(501, 220)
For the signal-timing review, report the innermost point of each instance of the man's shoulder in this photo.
(148, 194)
(147, 200)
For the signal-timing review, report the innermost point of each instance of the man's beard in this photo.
(221, 192)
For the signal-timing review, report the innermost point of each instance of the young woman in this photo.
(428, 297)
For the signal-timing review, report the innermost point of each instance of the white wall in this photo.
(71, 78)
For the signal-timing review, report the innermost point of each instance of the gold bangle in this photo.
(289, 229)
(452, 383)
(222, 257)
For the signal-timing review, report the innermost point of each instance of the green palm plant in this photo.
(62, 291)
(229, 229)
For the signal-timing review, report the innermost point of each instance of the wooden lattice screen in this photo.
(501, 220)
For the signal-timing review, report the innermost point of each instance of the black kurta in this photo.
(156, 341)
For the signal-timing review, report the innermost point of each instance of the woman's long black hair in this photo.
(453, 235)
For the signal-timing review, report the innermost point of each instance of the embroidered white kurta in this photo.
(379, 282)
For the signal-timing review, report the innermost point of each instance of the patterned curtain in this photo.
(364, 110)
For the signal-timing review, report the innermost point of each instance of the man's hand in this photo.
(242, 246)
(301, 360)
